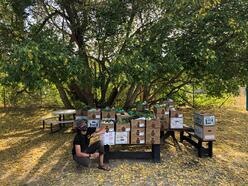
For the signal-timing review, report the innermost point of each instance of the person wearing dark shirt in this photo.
(83, 150)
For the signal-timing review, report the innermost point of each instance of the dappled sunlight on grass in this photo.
(32, 156)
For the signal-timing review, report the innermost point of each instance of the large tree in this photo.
(106, 52)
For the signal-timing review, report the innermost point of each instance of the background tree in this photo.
(106, 53)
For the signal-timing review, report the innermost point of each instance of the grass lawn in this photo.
(31, 156)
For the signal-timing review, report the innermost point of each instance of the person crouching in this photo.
(83, 149)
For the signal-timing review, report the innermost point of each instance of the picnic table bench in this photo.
(198, 144)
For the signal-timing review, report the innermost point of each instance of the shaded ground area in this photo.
(31, 156)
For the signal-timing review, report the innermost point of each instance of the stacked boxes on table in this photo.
(122, 132)
(94, 116)
(204, 125)
(153, 131)
(108, 122)
(176, 120)
(138, 131)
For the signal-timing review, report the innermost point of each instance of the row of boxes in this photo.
(169, 119)
(139, 132)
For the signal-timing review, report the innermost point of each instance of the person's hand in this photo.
(95, 155)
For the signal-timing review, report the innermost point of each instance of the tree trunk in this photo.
(63, 96)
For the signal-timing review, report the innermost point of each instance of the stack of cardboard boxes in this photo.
(108, 122)
(205, 126)
(138, 131)
(162, 115)
(153, 131)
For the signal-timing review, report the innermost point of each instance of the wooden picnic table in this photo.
(64, 112)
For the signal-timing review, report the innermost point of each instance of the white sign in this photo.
(108, 138)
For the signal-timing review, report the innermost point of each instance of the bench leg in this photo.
(51, 126)
(210, 149)
(199, 147)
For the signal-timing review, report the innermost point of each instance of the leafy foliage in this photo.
(106, 53)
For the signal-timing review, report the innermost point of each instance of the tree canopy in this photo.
(101, 53)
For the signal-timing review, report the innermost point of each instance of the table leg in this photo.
(106, 154)
(156, 153)
(210, 149)
(181, 136)
(199, 147)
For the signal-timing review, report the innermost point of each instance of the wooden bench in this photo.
(202, 151)
(44, 120)
(49, 121)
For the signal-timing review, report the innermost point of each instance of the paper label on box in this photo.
(122, 138)
(108, 138)
(142, 141)
(176, 123)
(209, 120)
(166, 113)
(127, 129)
(111, 129)
(209, 137)
(141, 133)
(98, 116)
(93, 123)
(180, 115)
(141, 125)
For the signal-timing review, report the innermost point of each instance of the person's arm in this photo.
(99, 131)
(81, 154)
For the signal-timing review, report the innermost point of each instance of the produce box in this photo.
(108, 115)
(138, 123)
(204, 119)
(122, 138)
(108, 125)
(108, 138)
(138, 132)
(93, 114)
(123, 127)
(153, 123)
(176, 123)
(205, 132)
(137, 139)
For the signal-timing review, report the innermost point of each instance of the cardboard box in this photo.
(123, 115)
(94, 123)
(137, 139)
(176, 123)
(138, 132)
(165, 123)
(108, 115)
(159, 111)
(123, 127)
(122, 138)
(152, 140)
(153, 123)
(137, 123)
(108, 138)
(205, 132)
(92, 115)
(108, 125)
(153, 132)
(204, 119)
(163, 116)
(175, 114)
